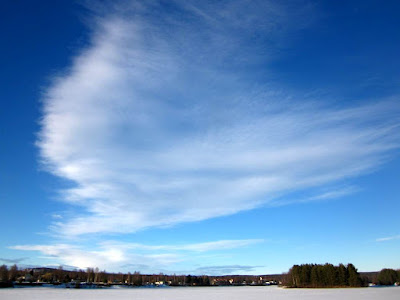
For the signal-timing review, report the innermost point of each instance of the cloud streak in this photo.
(12, 260)
(112, 255)
(389, 238)
(226, 269)
(196, 247)
(158, 121)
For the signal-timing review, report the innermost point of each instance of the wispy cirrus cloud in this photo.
(109, 258)
(226, 269)
(220, 245)
(113, 255)
(388, 238)
(195, 247)
(159, 122)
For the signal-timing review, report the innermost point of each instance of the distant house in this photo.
(28, 277)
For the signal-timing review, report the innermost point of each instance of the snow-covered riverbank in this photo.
(197, 293)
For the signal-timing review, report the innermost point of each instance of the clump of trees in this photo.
(388, 277)
(323, 276)
(8, 274)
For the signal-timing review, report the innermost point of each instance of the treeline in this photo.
(306, 275)
(388, 277)
(94, 275)
(327, 275)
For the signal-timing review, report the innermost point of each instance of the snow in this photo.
(203, 293)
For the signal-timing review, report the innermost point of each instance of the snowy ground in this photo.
(206, 293)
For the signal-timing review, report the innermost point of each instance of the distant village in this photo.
(95, 278)
(308, 275)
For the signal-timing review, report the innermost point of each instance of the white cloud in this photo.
(196, 247)
(112, 255)
(326, 194)
(109, 258)
(389, 238)
(220, 245)
(56, 216)
(226, 270)
(156, 124)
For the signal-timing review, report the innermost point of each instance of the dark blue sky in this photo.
(38, 40)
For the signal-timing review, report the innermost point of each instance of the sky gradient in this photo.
(203, 137)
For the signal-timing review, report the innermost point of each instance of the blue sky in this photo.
(218, 137)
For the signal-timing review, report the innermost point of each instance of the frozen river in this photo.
(206, 293)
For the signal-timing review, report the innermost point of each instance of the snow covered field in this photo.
(209, 293)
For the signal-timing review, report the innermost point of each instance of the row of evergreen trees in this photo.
(327, 275)
(388, 277)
